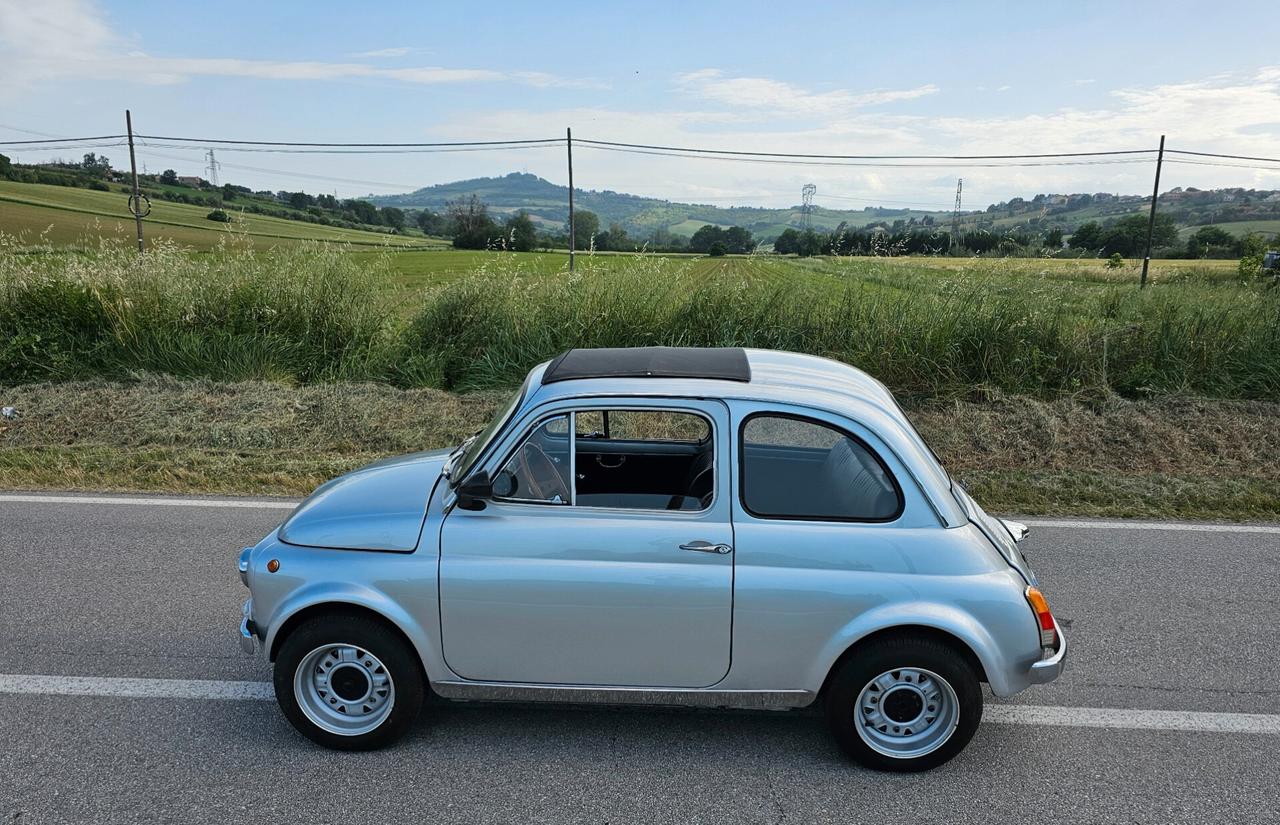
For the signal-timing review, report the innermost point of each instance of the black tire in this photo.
(893, 653)
(365, 633)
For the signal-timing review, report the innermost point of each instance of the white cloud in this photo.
(394, 51)
(1236, 114)
(70, 40)
(776, 95)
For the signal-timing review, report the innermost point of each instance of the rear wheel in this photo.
(904, 703)
(348, 682)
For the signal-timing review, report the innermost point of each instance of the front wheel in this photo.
(904, 704)
(348, 682)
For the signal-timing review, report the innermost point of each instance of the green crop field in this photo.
(66, 216)
(418, 268)
(1240, 228)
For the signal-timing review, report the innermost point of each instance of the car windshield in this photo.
(475, 445)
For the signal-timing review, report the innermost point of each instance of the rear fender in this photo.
(947, 619)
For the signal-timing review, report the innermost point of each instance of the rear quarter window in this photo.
(793, 467)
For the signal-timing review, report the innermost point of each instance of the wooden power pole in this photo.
(568, 142)
(1151, 221)
(135, 203)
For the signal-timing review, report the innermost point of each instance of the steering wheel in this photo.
(545, 481)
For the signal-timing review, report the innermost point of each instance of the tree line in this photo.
(468, 222)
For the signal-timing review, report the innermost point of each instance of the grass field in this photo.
(61, 216)
(1240, 228)
(425, 268)
(474, 320)
(1048, 386)
(1163, 458)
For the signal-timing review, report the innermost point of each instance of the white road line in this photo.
(134, 688)
(156, 502)
(261, 504)
(1177, 720)
(1035, 715)
(1153, 525)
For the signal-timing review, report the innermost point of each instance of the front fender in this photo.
(358, 595)
(946, 618)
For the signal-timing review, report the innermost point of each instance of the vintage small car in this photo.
(713, 527)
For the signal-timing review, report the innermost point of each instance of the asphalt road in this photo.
(1159, 619)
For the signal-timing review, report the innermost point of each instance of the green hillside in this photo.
(63, 215)
(1237, 210)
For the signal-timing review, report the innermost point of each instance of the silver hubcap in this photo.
(906, 713)
(344, 689)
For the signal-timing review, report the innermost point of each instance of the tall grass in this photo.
(305, 314)
(946, 333)
(314, 314)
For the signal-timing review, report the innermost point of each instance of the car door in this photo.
(552, 591)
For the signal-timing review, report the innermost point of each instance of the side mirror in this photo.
(473, 491)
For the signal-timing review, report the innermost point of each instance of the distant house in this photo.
(191, 180)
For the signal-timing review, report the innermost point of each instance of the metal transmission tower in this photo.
(955, 216)
(806, 204)
(211, 171)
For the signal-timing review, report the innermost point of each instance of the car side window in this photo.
(538, 471)
(650, 459)
(799, 468)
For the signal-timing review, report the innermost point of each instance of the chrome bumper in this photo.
(1046, 670)
(248, 638)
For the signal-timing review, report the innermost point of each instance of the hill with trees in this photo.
(1050, 218)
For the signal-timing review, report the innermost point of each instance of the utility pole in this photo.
(568, 142)
(1151, 222)
(955, 216)
(135, 203)
(806, 204)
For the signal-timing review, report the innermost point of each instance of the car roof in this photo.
(723, 363)
(783, 378)
(727, 372)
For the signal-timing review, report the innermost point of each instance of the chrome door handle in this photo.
(707, 547)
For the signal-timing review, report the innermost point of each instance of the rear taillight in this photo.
(1048, 630)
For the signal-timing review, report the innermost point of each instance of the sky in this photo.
(826, 78)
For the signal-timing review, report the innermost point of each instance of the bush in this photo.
(1115, 261)
(219, 215)
(718, 250)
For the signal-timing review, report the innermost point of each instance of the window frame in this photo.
(524, 437)
(808, 419)
(572, 414)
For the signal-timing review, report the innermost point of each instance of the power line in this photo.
(1223, 165)
(58, 140)
(603, 143)
(354, 145)
(285, 173)
(404, 151)
(799, 161)
(1215, 155)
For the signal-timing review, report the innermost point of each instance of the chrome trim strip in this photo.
(683, 697)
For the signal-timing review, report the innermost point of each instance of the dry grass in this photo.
(1183, 458)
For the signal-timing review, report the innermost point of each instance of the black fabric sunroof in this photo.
(724, 363)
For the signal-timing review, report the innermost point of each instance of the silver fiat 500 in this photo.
(714, 527)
